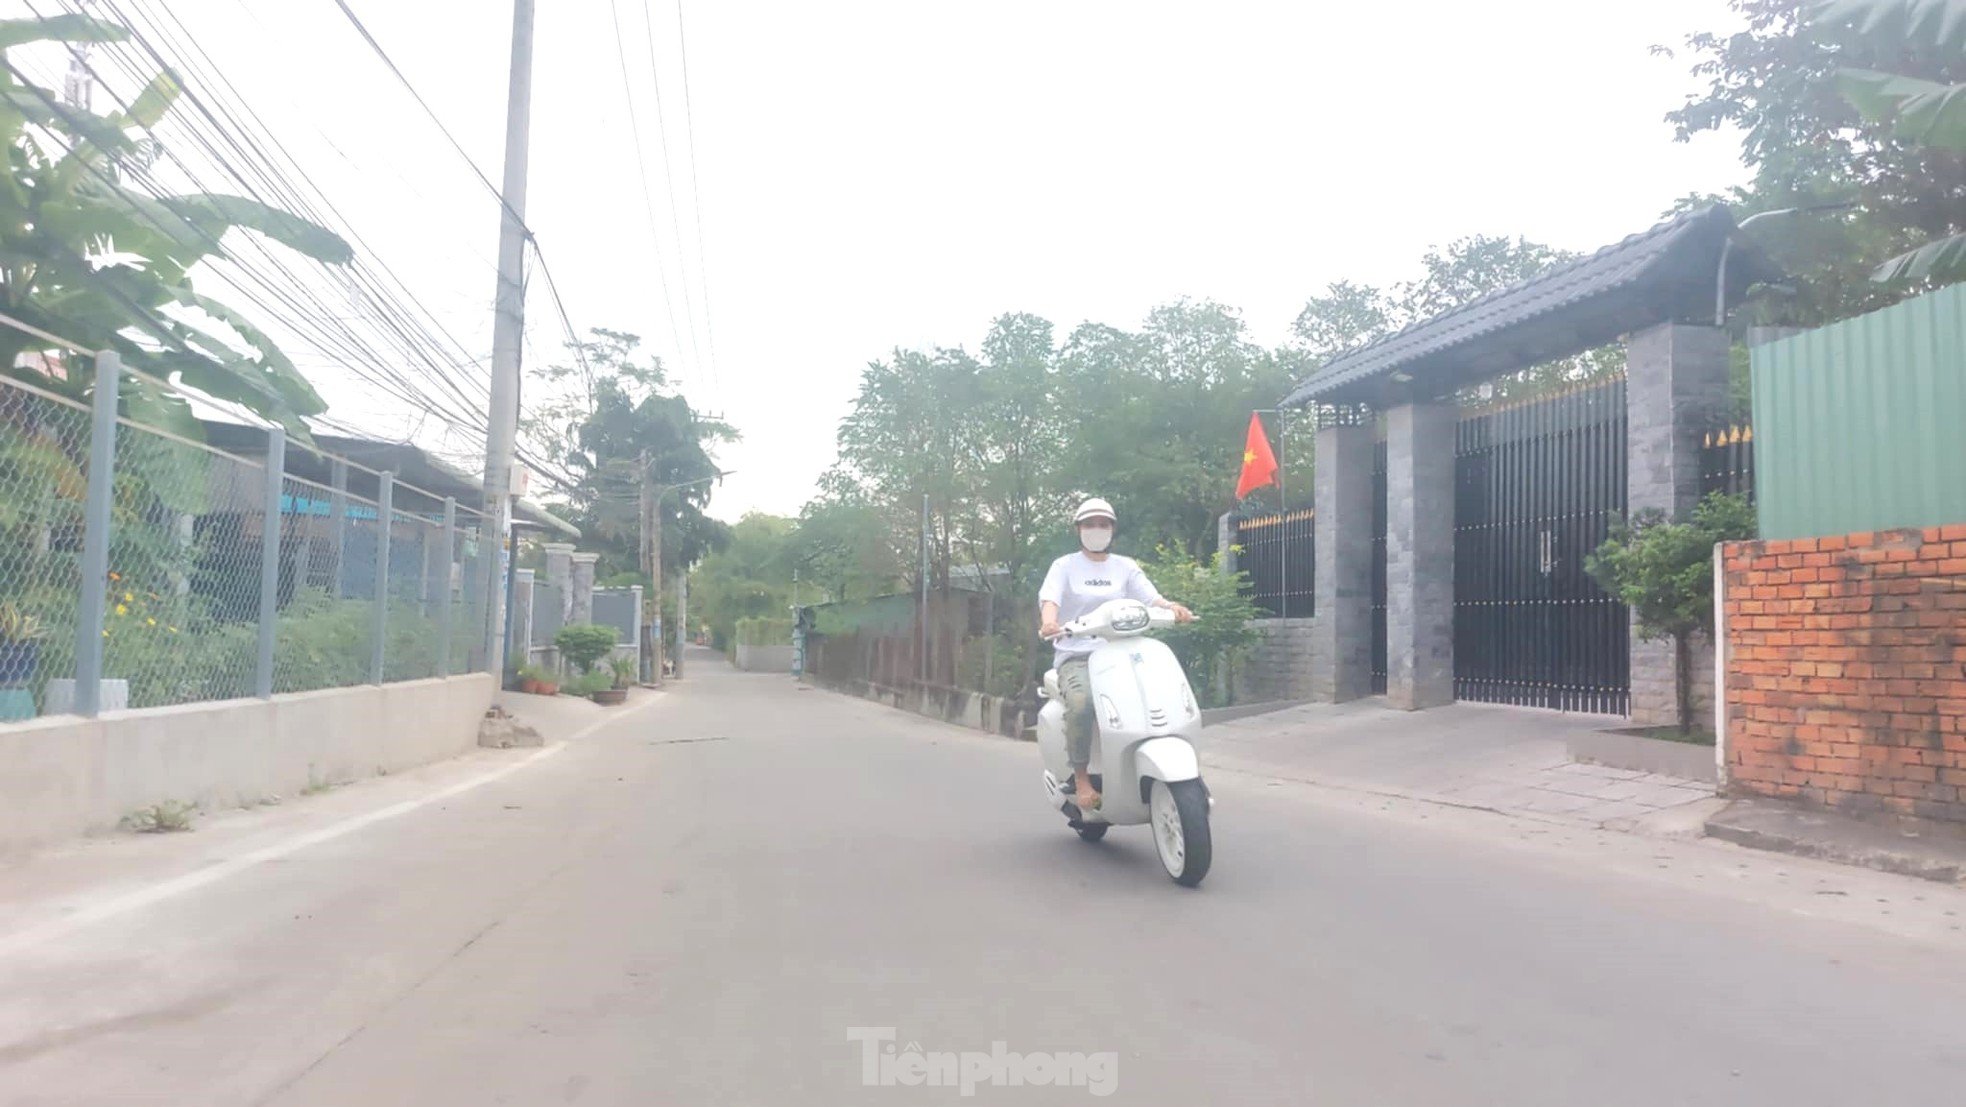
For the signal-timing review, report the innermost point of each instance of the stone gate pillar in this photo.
(1342, 634)
(1420, 555)
(1676, 390)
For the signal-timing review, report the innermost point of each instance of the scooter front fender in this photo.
(1169, 759)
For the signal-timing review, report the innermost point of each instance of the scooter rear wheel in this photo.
(1092, 832)
(1179, 815)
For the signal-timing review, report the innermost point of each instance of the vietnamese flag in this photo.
(1259, 465)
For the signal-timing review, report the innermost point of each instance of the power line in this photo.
(328, 334)
(253, 153)
(648, 204)
(363, 30)
(696, 196)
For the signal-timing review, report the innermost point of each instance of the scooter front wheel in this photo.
(1092, 832)
(1179, 813)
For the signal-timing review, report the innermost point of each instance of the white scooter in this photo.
(1143, 759)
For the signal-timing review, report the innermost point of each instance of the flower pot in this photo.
(18, 661)
(549, 688)
(611, 696)
(529, 686)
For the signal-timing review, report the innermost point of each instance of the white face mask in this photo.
(1096, 539)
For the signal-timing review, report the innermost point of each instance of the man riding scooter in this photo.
(1076, 585)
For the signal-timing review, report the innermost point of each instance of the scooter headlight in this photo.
(1130, 618)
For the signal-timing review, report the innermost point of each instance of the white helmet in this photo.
(1094, 508)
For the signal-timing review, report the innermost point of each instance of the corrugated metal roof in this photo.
(1660, 275)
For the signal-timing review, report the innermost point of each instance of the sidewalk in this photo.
(1510, 760)
(1907, 846)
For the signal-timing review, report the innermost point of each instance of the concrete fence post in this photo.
(91, 606)
(385, 520)
(269, 561)
(338, 524)
(444, 588)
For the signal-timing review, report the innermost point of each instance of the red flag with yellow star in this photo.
(1259, 465)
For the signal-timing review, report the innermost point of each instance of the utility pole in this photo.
(508, 330)
(682, 617)
(77, 84)
(652, 498)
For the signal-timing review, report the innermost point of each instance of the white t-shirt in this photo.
(1078, 585)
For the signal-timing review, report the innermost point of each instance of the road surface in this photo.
(725, 896)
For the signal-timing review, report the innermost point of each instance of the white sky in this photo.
(898, 173)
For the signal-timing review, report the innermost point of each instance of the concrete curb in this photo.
(1926, 851)
(1212, 715)
(1644, 755)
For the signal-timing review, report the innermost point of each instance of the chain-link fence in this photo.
(44, 440)
(224, 576)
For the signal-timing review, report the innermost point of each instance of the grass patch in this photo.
(1694, 737)
(168, 817)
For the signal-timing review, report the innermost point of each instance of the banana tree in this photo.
(86, 255)
(1924, 111)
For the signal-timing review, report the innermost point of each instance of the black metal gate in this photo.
(1535, 489)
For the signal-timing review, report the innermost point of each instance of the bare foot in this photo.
(1088, 801)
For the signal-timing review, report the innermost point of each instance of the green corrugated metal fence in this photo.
(1862, 425)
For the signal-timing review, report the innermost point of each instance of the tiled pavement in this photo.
(1510, 760)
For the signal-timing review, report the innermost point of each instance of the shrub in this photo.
(1221, 632)
(584, 643)
(1664, 571)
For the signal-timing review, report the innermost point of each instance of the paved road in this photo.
(697, 905)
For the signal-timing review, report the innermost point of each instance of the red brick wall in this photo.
(1846, 680)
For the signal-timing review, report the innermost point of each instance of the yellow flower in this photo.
(173, 630)
(127, 598)
(150, 622)
(121, 610)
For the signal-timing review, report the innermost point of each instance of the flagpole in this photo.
(1283, 512)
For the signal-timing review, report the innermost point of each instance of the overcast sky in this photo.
(899, 173)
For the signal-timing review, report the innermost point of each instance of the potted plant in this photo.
(531, 677)
(622, 672)
(20, 646)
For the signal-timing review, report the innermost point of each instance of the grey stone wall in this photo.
(1280, 665)
(1420, 555)
(1676, 390)
(1342, 630)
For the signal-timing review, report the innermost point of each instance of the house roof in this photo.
(1665, 274)
(410, 464)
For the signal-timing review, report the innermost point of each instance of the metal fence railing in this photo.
(155, 569)
(1279, 554)
(1727, 462)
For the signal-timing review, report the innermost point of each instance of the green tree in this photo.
(609, 418)
(749, 577)
(1778, 84)
(1928, 113)
(87, 256)
(1161, 417)
(846, 550)
(1664, 571)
